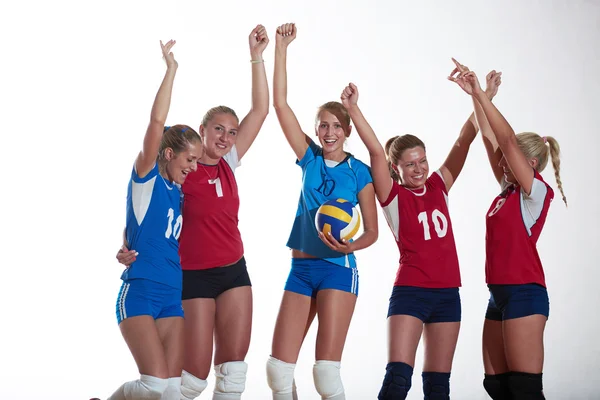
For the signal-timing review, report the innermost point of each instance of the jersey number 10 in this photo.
(174, 230)
(440, 223)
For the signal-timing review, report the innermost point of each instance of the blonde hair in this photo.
(534, 146)
(177, 138)
(210, 114)
(340, 112)
(394, 148)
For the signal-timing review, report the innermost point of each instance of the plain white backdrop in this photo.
(78, 81)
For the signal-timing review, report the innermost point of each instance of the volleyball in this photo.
(339, 217)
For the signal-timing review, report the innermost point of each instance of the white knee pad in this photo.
(280, 376)
(230, 380)
(146, 388)
(328, 381)
(191, 387)
(173, 390)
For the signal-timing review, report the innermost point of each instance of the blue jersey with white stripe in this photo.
(324, 180)
(153, 226)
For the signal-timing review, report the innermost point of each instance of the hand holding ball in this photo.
(338, 217)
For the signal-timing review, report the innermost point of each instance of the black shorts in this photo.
(210, 283)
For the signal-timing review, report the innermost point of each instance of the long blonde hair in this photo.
(535, 146)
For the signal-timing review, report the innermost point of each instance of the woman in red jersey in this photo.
(217, 295)
(513, 345)
(425, 298)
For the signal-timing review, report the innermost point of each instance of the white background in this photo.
(78, 82)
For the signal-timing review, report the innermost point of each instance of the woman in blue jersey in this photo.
(149, 310)
(323, 279)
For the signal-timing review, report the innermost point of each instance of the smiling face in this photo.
(179, 165)
(508, 175)
(331, 133)
(219, 135)
(180, 149)
(413, 167)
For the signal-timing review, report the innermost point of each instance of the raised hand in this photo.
(258, 42)
(467, 80)
(493, 80)
(286, 34)
(349, 95)
(167, 54)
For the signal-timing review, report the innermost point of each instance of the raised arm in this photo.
(297, 139)
(379, 165)
(160, 109)
(455, 161)
(253, 121)
(503, 132)
(493, 81)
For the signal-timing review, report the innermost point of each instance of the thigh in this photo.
(494, 358)
(233, 324)
(198, 336)
(170, 331)
(334, 311)
(440, 343)
(404, 333)
(524, 343)
(144, 342)
(295, 316)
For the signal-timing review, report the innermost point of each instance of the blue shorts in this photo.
(429, 305)
(309, 275)
(516, 301)
(146, 297)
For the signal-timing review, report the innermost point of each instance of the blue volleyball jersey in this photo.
(153, 226)
(321, 183)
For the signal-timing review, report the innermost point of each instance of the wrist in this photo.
(489, 95)
(480, 94)
(256, 57)
(352, 247)
(352, 108)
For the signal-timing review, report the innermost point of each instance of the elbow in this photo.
(158, 120)
(378, 153)
(506, 139)
(279, 105)
(261, 112)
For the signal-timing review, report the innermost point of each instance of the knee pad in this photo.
(328, 381)
(173, 390)
(146, 388)
(497, 386)
(524, 386)
(397, 381)
(280, 376)
(436, 385)
(230, 380)
(191, 387)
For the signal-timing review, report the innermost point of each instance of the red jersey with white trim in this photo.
(421, 224)
(210, 236)
(514, 223)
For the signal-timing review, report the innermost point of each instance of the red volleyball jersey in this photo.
(421, 224)
(210, 236)
(513, 225)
